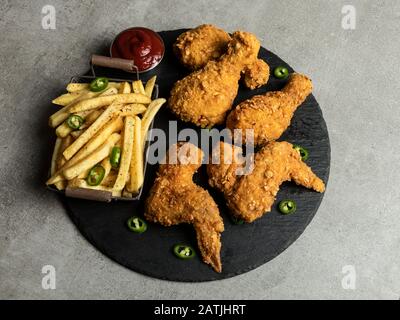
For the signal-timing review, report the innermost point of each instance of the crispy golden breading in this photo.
(250, 196)
(270, 114)
(256, 74)
(205, 96)
(222, 173)
(175, 199)
(196, 47)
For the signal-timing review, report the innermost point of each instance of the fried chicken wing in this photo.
(205, 96)
(269, 115)
(175, 198)
(196, 47)
(250, 196)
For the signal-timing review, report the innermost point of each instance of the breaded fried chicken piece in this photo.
(175, 199)
(250, 196)
(256, 74)
(196, 47)
(205, 96)
(270, 114)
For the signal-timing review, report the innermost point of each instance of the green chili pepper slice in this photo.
(95, 176)
(287, 206)
(74, 121)
(236, 220)
(137, 224)
(98, 84)
(115, 157)
(303, 152)
(281, 72)
(184, 252)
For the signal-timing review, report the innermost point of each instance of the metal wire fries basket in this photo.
(103, 195)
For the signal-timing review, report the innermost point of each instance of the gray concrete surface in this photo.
(355, 73)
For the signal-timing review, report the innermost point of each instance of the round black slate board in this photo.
(244, 247)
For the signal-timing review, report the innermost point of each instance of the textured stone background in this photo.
(356, 84)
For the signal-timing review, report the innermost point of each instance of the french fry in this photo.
(148, 117)
(78, 87)
(150, 86)
(92, 159)
(62, 114)
(59, 117)
(74, 87)
(89, 116)
(113, 126)
(75, 183)
(65, 143)
(56, 152)
(125, 88)
(92, 116)
(61, 185)
(81, 183)
(108, 92)
(58, 159)
(66, 99)
(98, 102)
(106, 164)
(137, 87)
(115, 85)
(83, 174)
(109, 181)
(132, 109)
(64, 129)
(105, 117)
(126, 154)
(76, 134)
(126, 194)
(111, 177)
(136, 167)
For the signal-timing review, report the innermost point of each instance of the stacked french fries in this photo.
(115, 119)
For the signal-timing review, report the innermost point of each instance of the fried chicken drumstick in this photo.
(175, 199)
(269, 115)
(205, 96)
(196, 47)
(250, 196)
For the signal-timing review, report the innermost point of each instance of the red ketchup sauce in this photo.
(144, 46)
